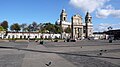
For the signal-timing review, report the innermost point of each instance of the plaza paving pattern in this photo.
(12, 58)
(79, 48)
(62, 54)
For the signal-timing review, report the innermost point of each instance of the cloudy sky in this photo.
(105, 13)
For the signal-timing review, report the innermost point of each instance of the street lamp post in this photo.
(110, 34)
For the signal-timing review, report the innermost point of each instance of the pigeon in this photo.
(99, 54)
(101, 50)
(105, 50)
(48, 64)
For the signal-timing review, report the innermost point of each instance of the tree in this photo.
(1, 28)
(50, 27)
(58, 29)
(4, 24)
(15, 27)
(12, 27)
(68, 30)
(2, 32)
(39, 26)
(23, 26)
(34, 24)
(30, 27)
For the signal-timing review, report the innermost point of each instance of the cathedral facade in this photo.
(79, 28)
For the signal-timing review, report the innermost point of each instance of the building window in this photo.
(56, 37)
(45, 37)
(28, 36)
(41, 37)
(89, 20)
(90, 31)
(79, 30)
(64, 18)
(59, 36)
(9, 36)
(35, 36)
(20, 37)
(75, 31)
(13, 36)
(84, 31)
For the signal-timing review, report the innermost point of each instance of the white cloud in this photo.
(104, 26)
(102, 10)
(88, 5)
(108, 11)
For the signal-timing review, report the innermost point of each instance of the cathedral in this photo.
(79, 28)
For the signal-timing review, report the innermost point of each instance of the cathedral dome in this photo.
(57, 22)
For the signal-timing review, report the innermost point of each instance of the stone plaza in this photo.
(83, 53)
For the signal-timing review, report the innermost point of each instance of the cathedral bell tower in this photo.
(89, 26)
(63, 16)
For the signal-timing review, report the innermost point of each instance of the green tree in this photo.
(68, 30)
(15, 27)
(30, 28)
(1, 28)
(23, 27)
(50, 27)
(39, 26)
(34, 24)
(42, 28)
(58, 29)
(4, 24)
(12, 27)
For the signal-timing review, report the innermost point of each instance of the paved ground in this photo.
(94, 53)
(9, 57)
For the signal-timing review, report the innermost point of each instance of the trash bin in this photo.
(64, 40)
(55, 40)
(41, 42)
(68, 40)
(73, 40)
(110, 41)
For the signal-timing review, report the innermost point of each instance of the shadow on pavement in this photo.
(3, 47)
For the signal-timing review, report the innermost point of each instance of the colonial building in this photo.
(31, 35)
(88, 25)
(63, 22)
(100, 35)
(79, 28)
